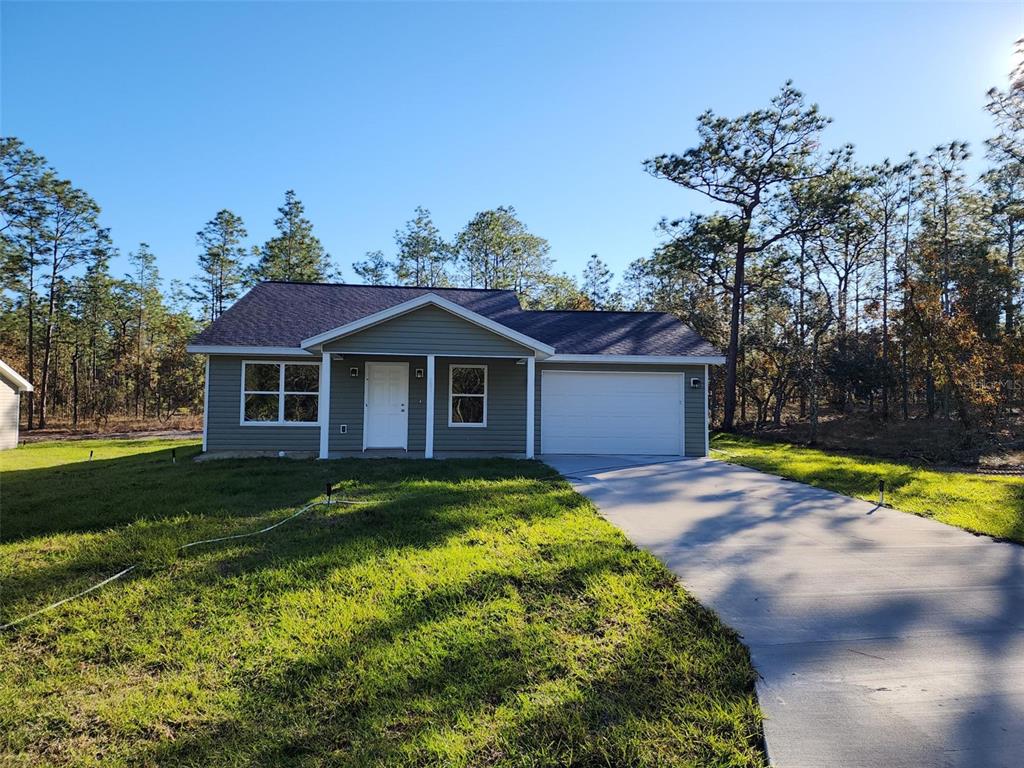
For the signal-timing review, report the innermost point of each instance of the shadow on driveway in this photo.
(882, 638)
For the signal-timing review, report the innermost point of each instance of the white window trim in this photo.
(280, 392)
(451, 394)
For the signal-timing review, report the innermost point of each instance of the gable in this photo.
(284, 314)
(13, 379)
(427, 330)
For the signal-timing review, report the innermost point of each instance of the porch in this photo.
(426, 406)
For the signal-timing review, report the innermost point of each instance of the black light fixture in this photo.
(353, 372)
(419, 373)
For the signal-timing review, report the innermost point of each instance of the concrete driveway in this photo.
(882, 639)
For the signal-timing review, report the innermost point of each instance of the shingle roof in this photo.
(278, 314)
(612, 333)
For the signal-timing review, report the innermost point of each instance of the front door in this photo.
(386, 413)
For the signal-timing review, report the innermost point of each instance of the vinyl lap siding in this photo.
(505, 432)
(693, 414)
(9, 402)
(429, 330)
(693, 399)
(224, 433)
(506, 410)
(347, 400)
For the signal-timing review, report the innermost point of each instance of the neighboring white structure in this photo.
(12, 384)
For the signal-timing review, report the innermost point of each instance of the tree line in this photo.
(892, 288)
(494, 250)
(96, 345)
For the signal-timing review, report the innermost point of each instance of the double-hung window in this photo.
(280, 393)
(467, 396)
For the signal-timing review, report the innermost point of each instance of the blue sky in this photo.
(167, 112)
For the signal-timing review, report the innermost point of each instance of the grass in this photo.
(987, 504)
(474, 613)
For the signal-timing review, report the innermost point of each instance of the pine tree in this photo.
(295, 253)
(495, 250)
(597, 282)
(71, 236)
(753, 164)
(375, 269)
(144, 284)
(423, 255)
(220, 262)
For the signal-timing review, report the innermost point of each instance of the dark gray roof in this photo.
(611, 333)
(283, 314)
(277, 314)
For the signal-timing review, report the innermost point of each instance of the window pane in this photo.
(301, 378)
(261, 407)
(467, 410)
(467, 381)
(300, 407)
(263, 377)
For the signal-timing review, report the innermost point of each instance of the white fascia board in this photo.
(19, 381)
(647, 359)
(421, 301)
(226, 349)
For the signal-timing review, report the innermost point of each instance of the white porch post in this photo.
(325, 404)
(530, 405)
(428, 445)
(206, 402)
(707, 415)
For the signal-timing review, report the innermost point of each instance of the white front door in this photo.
(386, 414)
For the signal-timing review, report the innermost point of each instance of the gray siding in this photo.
(693, 403)
(694, 428)
(505, 432)
(223, 431)
(506, 410)
(9, 401)
(429, 330)
(348, 397)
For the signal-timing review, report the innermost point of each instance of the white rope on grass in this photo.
(51, 606)
(269, 527)
(131, 568)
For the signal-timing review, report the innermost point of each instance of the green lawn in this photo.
(475, 613)
(988, 504)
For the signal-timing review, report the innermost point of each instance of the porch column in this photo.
(428, 445)
(707, 414)
(206, 402)
(325, 404)
(530, 396)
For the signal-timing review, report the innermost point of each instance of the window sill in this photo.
(279, 423)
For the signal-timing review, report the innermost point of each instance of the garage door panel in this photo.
(613, 412)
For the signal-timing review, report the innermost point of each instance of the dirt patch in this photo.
(935, 443)
(38, 436)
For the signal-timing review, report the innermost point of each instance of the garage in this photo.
(610, 412)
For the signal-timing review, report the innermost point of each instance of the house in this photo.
(12, 384)
(338, 370)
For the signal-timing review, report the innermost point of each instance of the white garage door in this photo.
(611, 412)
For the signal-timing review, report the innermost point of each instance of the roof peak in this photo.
(599, 312)
(403, 287)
